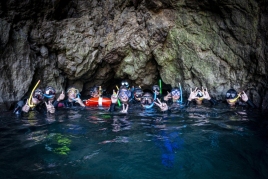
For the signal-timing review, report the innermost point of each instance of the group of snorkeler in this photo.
(46, 101)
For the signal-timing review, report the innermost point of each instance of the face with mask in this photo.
(156, 89)
(232, 97)
(138, 94)
(176, 94)
(147, 99)
(124, 95)
(38, 96)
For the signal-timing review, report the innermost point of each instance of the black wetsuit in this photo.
(67, 103)
(41, 107)
(249, 103)
(212, 102)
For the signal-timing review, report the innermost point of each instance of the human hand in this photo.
(162, 106)
(125, 108)
(244, 96)
(167, 97)
(61, 97)
(78, 100)
(50, 107)
(192, 94)
(206, 94)
(26, 107)
(114, 97)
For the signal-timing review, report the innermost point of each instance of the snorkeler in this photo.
(123, 96)
(34, 102)
(73, 98)
(171, 100)
(94, 92)
(156, 91)
(125, 83)
(147, 100)
(50, 94)
(199, 96)
(232, 98)
(136, 95)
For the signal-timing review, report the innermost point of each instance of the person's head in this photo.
(199, 95)
(72, 93)
(94, 92)
(124, 94)
(137, 93)
(125, 83)
(147, 99)
(156, 89)
(50, 92)
(176, 94)
(37, 96)
(231, 97)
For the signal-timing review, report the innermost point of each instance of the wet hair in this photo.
(231, 94)
(75, 89)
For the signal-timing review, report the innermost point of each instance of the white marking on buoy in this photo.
(100, 101)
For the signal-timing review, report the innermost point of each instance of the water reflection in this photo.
(186, 143)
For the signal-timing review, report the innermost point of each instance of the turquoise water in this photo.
(199, 142)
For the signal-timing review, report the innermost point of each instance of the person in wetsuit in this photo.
(73, 98)
(50, 95)
(35, 102)
(123, 95)
(232, 98)
(198, 96)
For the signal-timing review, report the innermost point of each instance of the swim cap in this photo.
(72, 89)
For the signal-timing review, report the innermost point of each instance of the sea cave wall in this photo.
(217, 44)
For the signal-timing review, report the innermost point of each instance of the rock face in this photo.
(218, 44)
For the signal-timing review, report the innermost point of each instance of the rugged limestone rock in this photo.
(218, 44)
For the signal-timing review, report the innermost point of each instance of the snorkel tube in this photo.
(48, 96)
(160, 86)
(118, 101)
(180, 101)
(30, 99)
(233, 100)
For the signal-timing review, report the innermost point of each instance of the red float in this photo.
(101, 101)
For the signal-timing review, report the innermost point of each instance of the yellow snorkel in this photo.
(30, 99)
(234, 100)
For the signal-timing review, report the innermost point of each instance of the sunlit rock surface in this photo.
(218, 44)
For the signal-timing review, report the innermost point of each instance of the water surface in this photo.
(197, 142)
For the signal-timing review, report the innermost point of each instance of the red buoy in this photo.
(98, 102)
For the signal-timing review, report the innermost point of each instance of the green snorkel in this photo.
(160, 86)
(181, 93)
(118, 101)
